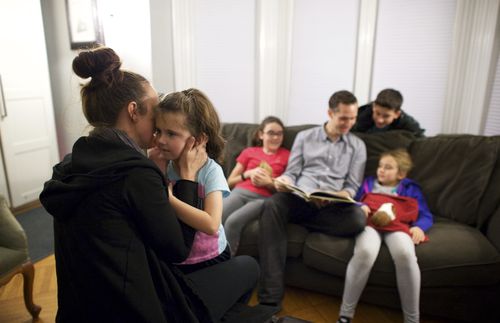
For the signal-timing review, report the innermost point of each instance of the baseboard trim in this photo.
(26, 207)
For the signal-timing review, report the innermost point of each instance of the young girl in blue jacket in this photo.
(391, 182)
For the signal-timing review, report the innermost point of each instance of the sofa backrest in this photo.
(491, 198)
(459, 174)
(377, 143)
(239, 136)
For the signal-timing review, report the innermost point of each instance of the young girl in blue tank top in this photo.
(182, 117)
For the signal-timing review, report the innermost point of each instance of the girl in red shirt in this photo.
(252, 178)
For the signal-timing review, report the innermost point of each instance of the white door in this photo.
(27, 130)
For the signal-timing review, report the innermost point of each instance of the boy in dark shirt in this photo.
(385, 114)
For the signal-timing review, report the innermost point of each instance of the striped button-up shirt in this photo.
(316, 162)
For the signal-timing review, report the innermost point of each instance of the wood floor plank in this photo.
(306, 305)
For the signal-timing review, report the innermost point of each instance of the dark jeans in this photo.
(224, 284)
(333, 219)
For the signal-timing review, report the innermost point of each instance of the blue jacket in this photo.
(406, 187)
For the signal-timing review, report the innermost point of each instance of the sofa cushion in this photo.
(493, 229)
(491, 197)
(454, 172)
(250, 237)
(456, 255)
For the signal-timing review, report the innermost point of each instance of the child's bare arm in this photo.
(207, 220)
(235, 176)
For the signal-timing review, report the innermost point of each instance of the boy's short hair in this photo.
(402, 158)
(390, 99)
(343, 96)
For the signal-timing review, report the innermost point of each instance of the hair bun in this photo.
(101, 63)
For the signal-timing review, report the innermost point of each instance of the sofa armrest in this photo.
(493, 229)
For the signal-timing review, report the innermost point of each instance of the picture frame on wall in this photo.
(84, 25)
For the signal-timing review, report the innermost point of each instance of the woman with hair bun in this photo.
(116, 229)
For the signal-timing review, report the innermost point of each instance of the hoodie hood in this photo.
(94, 163)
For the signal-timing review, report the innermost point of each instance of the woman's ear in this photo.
(132, 110)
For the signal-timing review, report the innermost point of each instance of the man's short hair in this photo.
(344, 97)
(390, 99)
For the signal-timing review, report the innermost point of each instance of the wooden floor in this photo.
(44, 294)
(299, 303)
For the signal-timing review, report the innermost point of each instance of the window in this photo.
(224, 41)
(323, 57)
(492, 124)
(412, 52)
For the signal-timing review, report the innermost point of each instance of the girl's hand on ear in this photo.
(192, 158)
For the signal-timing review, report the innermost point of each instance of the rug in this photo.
(37, 224)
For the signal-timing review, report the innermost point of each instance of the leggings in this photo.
(366, 250)
(223, 285)
(240, 208)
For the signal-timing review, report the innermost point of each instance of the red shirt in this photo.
(252, 157)
(406, 211)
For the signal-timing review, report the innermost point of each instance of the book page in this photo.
(330, 196)
(318, 194)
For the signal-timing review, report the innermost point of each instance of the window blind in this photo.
(492, 124)
(412, 52)
(323, 56)
(224, 41)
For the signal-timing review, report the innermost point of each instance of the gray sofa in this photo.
(460, 265)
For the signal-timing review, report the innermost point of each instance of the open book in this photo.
(330, 196)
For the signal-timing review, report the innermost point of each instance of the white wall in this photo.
(126, 29)
(70, 123)
(323, 50)
(162, 45)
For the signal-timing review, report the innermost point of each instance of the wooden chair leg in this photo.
(28, 271)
